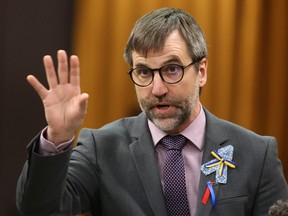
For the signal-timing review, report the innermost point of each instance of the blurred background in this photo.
(247, 75)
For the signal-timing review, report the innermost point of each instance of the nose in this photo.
(159, 87)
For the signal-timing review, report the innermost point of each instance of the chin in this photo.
(167, 125)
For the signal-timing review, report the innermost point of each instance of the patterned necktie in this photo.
(174, 177)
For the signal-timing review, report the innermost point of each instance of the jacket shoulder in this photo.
(234, 131)
(121, 129)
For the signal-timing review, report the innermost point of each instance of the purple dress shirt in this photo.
(47, 148)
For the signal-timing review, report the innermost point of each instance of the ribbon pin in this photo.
(209, 191)
(223, 159)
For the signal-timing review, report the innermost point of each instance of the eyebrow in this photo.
(171, 60)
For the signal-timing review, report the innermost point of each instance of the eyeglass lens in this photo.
(171, 73)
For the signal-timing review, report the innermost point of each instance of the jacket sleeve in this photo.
(272, 184)
(55, 184)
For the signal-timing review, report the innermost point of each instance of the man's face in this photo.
(171, 107)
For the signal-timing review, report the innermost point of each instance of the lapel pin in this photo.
(220, 164)
(210, 191)
(222, 160)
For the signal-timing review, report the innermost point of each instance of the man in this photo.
(135, 166)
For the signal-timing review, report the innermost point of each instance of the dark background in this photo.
(29, 30)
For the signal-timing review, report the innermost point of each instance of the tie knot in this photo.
(174, 142)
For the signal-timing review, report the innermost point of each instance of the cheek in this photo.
(189, 85)
(142, 92)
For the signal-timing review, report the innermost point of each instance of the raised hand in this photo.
(65, 106)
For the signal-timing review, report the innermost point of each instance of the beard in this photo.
(184, 106)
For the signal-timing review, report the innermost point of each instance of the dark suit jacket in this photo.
(113, 171)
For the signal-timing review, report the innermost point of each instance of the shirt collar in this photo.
(194, 132)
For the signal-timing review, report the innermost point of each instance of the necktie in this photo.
(174, 176)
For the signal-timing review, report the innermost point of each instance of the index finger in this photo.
(38, 87)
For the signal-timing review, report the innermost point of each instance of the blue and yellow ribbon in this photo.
(221, 161)
(220, 164)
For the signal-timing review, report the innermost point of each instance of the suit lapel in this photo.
(143, 154)
(215, 138)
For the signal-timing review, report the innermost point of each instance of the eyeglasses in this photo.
(170, 73)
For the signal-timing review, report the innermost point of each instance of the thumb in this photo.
(83, 102)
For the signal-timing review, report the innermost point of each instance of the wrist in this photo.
(57, 138)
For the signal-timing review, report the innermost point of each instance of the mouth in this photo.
(162, 106)
(163, 109)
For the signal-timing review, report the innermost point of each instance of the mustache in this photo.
(152, 102)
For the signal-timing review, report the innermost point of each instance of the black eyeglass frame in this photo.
(196, 60)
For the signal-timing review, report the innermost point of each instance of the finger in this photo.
(74, 71)
(39, 88)
(63, 72)
(51, 75)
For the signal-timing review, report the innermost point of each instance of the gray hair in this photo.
(151, 31)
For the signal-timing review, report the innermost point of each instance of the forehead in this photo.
(175, 49)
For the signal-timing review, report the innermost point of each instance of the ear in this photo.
(202, 73)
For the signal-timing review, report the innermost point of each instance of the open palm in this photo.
(65, 106)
